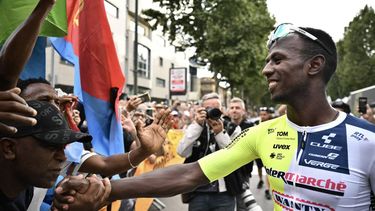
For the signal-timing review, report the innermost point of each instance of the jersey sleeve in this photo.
(241, 151)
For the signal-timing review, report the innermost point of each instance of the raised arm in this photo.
(18, 47)
(151, 138)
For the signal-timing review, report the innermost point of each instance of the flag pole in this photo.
(135, 66)
(53, 72)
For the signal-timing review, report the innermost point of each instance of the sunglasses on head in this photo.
(286, 28)
(263, 109)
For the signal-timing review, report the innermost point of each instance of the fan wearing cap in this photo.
(34, 155)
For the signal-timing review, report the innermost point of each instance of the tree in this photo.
(231, 35)
(356, 52)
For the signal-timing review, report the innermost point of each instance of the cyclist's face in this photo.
(284, 69)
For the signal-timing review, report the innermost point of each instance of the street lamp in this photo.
(135, 66)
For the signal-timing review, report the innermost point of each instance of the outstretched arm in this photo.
(160, 183)
(18, 47)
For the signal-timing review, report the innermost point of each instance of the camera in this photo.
(213, 113)
(229, 126)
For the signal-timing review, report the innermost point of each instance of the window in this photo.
(111, 9)
(161, 61)
(142, 29)
(160, 82)
(143, 61)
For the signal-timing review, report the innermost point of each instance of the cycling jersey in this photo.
(325, 167)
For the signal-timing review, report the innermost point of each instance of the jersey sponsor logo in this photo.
(282, 133)
(278, 156)
(316, 184)
(271, 130)
(326, 146)
(327, 138)
(321, 164)
(294, 203)
(331, 156)
(326, 150)
(281, 146)
(359, 136)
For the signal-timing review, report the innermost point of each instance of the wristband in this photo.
(133, 166)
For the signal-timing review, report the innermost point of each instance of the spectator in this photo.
(265, 114)
(40, 89)
(34, 156)
(203, 137)
(341, 106)
(245, 201)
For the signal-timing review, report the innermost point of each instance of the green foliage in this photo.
(356, 68)
(230, 34)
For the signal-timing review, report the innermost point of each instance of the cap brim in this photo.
(62, 137)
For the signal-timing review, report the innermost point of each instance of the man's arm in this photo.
(192, 133)
(115, 164)
(18, 47)
(151, 137)
(160, 183)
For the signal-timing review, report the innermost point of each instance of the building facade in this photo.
(155, 55)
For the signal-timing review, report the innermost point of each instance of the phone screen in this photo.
(362, 102)
(145, 97)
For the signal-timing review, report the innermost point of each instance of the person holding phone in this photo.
(365, 110)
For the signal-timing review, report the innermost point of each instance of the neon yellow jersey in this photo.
(309, 168)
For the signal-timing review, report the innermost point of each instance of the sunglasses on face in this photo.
(286, 28)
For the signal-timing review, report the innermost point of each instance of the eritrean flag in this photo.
(98, 78)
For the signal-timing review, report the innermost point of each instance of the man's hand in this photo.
(369, 115)
(153, 136)
(67, 100)
(200, 115)
(133, 103)
(216, 125)
(14, 111)
(128, 124)
(77, 193)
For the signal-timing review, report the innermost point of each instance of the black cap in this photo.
(51, 126)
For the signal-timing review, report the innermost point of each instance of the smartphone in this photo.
(362, 105)
(149, 112)
(145, 97)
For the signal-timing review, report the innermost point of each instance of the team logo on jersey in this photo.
(327, 151)
(294, 203)
(327, 138)
(359, 136)
(328, 186)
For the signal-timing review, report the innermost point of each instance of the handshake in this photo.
(79, 193)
